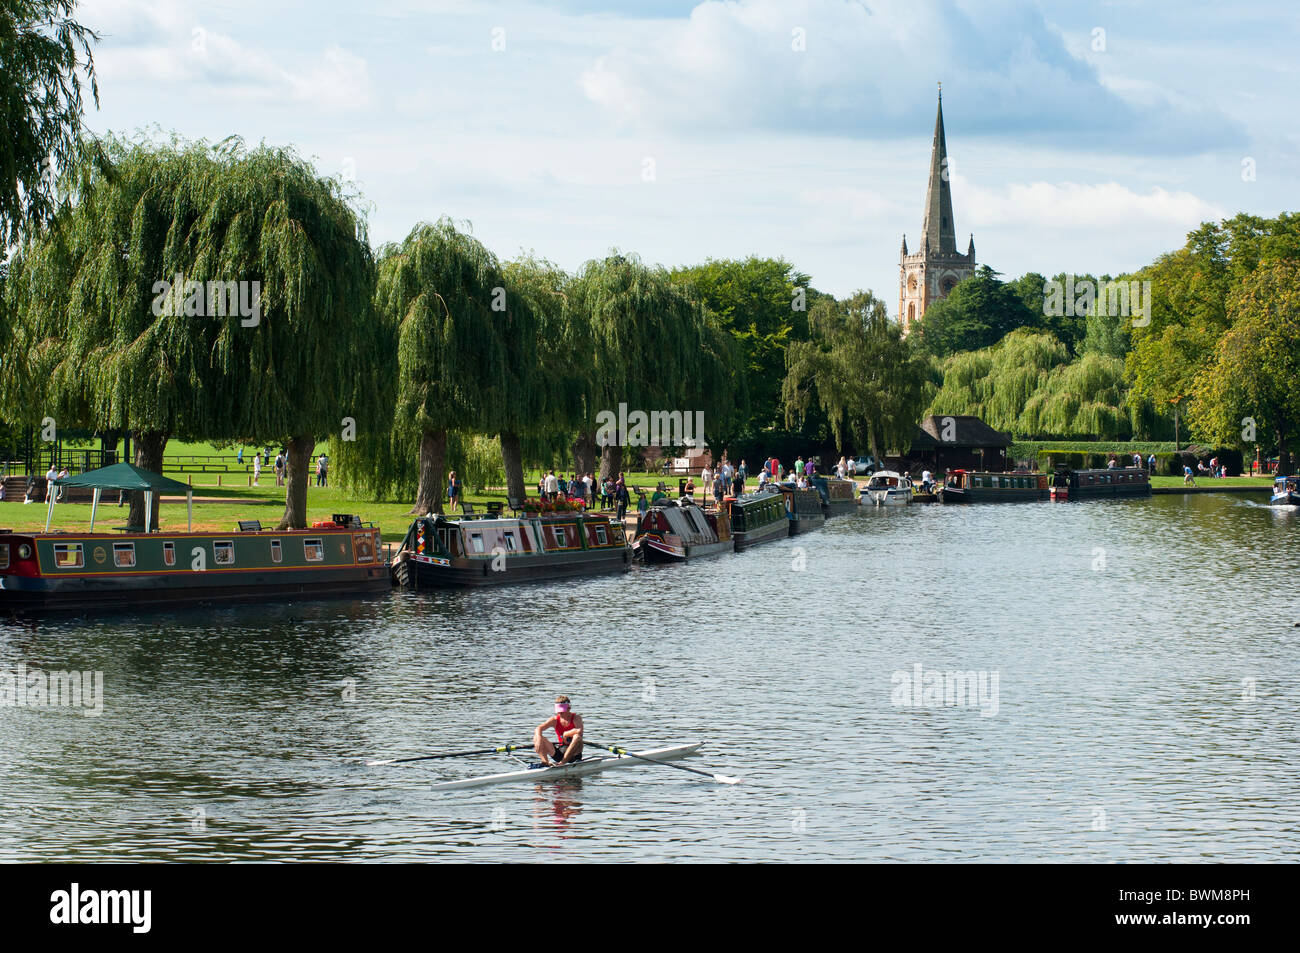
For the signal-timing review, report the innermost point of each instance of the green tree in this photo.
(763, 303)
(1249, 386)
(45, 54)
(651, 346)
(975, 314)
(130, 312)
(859, 370)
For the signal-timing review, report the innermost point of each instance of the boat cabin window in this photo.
(223, 552)
(124, 555)
(476, 542)
(559, 536)
(511, 545)
(69, 556)
(277, 551)
(601, 537)
(169, 554)
(314, 549)
(4, 555)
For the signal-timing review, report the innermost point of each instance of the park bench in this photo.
(250, 526)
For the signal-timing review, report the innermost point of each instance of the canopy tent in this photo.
(124, 476)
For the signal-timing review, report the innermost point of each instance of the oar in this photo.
(720, 778)
(450, 754)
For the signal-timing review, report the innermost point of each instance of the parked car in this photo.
(861, 465)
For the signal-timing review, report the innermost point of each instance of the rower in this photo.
(568, 732)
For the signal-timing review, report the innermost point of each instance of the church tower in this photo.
(937, 266)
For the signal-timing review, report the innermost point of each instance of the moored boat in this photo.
(145, 566)
(971, 486)
(803, 508)
(756, 518)
(44, 571)
(443, 551)
(838, 496)
(673, 532)
(887, 488)
(1286, 491)
(1113, 481)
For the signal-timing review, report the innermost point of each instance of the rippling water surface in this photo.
(1143, 654)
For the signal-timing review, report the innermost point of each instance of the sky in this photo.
(1083, 137)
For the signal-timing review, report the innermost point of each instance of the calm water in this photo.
(1147, 691)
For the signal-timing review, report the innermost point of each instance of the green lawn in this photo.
(1262, 483)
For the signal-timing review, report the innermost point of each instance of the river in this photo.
(1135, 698)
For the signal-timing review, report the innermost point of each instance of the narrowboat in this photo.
(756, 518)
(1091, 484)
(803, 508)
(838, 496)
(970, 486)
(439, 551)
(1286, 491)
(54, 571)
(887, 488)
(675, 532)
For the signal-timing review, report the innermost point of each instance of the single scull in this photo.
(576, 770)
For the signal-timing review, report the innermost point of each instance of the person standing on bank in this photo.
(453, 492)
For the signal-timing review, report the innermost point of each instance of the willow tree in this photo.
(858, 369)
(200, 291)
(445, 295)
(652, 347)
(546, 378)
(46, 56)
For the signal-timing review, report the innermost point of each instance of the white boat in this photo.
(576, 770)
(887, 488)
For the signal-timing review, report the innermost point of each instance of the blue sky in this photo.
(1083, 137)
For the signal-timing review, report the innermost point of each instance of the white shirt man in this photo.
(926, 478)
(706, 477)
(552, 484)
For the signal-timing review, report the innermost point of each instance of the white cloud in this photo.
(1073, 205)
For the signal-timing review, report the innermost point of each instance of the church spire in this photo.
(939, 231)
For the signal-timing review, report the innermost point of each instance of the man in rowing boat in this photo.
(568, 732)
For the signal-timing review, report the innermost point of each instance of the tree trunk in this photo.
(611, 462)
(149, 447)
(1283, 457)
(295, 490)
(512, 456)
(584, 452)
(433, 458)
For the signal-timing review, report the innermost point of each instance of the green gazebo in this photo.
(124, 476)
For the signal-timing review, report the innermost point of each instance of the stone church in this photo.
(937, 266)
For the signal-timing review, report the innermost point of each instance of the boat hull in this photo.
(474, 573)
(1285, 499)
(580, 769)
(763, 534)
(805, 523)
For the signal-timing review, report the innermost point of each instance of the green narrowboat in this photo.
(971, 486)
(439, 551)
(51, 571)
(757, 518)
(1091, 484)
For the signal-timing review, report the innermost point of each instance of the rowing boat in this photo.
(576, 770)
